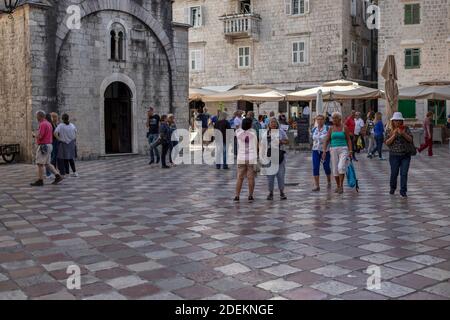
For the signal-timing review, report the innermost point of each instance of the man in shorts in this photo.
(44, 140)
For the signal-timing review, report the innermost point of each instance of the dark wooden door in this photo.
(118, 119)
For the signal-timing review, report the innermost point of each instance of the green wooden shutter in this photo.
(408, 14)
(407, 108)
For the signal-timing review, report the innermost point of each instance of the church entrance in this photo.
(118, 119)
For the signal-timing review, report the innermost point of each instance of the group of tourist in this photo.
(56, 147)
(160, 131)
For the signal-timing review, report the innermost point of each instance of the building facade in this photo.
(284, 44)
(104, 62)
(417, 33)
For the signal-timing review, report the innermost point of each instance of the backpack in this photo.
(352, 181)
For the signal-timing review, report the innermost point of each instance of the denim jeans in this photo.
(399, 164)
(222, 161)
(379, 147)
(153, 150)
(280, 177)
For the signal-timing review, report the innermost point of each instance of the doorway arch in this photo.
(129, 83)
(118, 118)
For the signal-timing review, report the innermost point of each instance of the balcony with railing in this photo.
(241, 25)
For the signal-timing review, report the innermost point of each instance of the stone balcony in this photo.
(241, 25)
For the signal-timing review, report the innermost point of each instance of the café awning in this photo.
(337, 90)
(256, 94)
(199, 93)
(431, 90)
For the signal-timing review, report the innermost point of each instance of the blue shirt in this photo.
(378, 129)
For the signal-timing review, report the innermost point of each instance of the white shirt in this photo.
(247, 151)
(359, 124)
(66, 133)
(319, 137)
(237, 122)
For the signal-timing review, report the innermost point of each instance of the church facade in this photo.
(104, 62)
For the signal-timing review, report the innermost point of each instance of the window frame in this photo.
(354, 53)
(413, 50)
(243, 57)
(200, 62)
(290, 4)
(305, 52)
(199, 18)
(412, 6)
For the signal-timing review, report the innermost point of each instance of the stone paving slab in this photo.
(140, 232)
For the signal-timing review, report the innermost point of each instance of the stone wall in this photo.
(63, 70)
(328, 29)
(431, 36)
(15, 82)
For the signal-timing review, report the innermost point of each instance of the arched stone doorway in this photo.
(118, 118)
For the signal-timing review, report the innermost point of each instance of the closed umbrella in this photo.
(319, 102)
(389, 73)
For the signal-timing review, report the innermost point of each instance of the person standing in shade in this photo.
(339, 138)
(48, 173)
(350, 124)
(370, 138)
(222, 125)
(378, 133)
(266, 144)
(428, 131)
(44, 140)
(246, 158)
(66, 133)
(173, 134)
(153, 121)
(319, 135)
(397, 139)
(164, 140)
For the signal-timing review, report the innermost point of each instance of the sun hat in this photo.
(397, 116)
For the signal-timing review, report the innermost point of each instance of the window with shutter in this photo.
(412, 58)
(412, 13)
(407, 108)
(299, 52)
(243, 57)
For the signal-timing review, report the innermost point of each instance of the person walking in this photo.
(222, 125)
(266, 144)
(66, 133)
(48, 173)
(319, 135)
(359, 132)
(246, 158)
(428, 131)
(44, 140)
(351, 125)
(153, 121)
(370, 137)
(173, 135)
(378, 133)
(339, 138)
(398, 137)
(164, 140)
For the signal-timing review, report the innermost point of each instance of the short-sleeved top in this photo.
(319, 136)
(45, 133)
(370, 127)
(428, 124)
(399, 146)
(350, 123)
(359, 124)
(247, 145)
(66, 132)
(203, 118)
(153, 124)
(237, 122)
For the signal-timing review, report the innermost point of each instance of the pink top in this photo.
(45, 133)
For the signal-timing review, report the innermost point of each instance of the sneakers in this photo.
(165, 167)
(38, 183)
(392, 192)
(151, 162)
(403, 195)
(236, 199)
(75, 175)
(58, 179)
(283, 196)
(270, 197)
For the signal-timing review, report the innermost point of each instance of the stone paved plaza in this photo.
(145, 233)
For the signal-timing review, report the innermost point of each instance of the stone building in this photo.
(285, 44)
(417, 32)
(104, 62)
